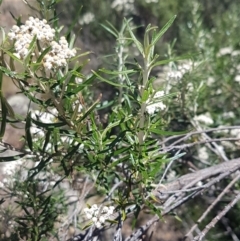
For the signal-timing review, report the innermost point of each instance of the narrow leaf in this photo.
(138, 44)
(28, 132)
(163, 30)
(4, 109)
(107, 81)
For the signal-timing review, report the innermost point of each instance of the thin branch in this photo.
(189, 180)
(190, 134)
(140, 231)
(217, 218)
(217, 150)
(183, 146)
(214, 203)
(118, 233)
(229, 230)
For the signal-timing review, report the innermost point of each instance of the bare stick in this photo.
(217, 218)
(214, 203)
(188, 135)
(229, 230)
(192, 178)
(180, 147)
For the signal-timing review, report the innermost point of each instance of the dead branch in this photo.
(217, 218)
(184, 137)
(183, 146)
(213, 204)
(189, 180)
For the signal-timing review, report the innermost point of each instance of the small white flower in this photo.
(15, 28)
(236, 53)
(224, 51)
(105, 209)
(98, 225)
(155, 104)
(47, 65)
(151, 1)
(120, 5)
(87, 18)
(5, 180)
(11, 35)
(110, 210)
(204, 118)
(78, 80)
(237, 78)
(102, 219)
(203, 154)
(210, 81)
(229, 114)
(151, 109)
(94, 207)
(28, 23)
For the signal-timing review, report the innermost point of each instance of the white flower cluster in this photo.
(86, 18)
(180, 72)
(203, 154)
(121, 5)
(151, 1)
(228, 51)
(98, 215)
(58, 55)
(154, 104)
(24, 35)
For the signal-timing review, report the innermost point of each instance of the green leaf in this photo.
(166, 61)
(83, 85)
(90, 109)
(145, 96)
(28, 132)
(47, 139)
(40, 58)
(12, 55)
(10, 112)
(163, 30)
(110, 29)
(116, 123)
(138, 44)
(146, 36)
(11, 158)
(178, 218)
(108, 81)
(48, 125)
(166, 133)
(74, 21)
(4, 110)
(44, 205)
(129, 71)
